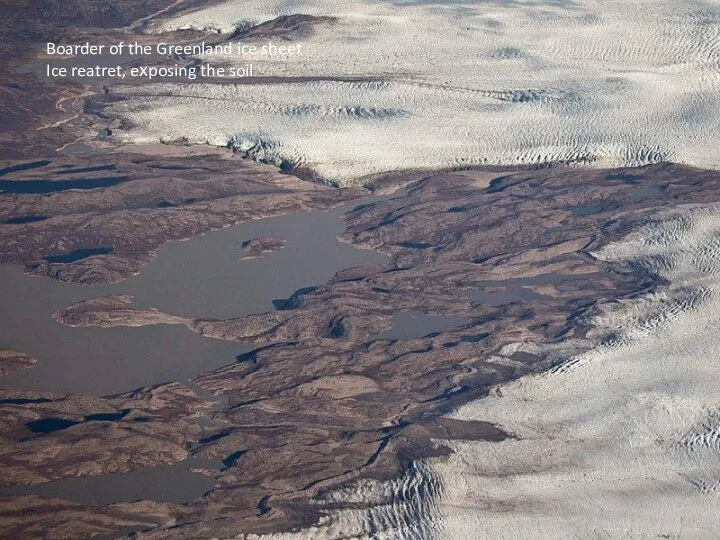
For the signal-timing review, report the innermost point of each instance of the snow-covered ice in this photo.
(622, 441)
(456, 83)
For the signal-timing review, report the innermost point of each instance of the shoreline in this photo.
(440, 253)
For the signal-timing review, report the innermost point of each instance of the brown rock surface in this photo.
(113, 311)
(107, 234)
(258, 246)
(48, 436)
(324, 401)
(12, 361)
(69, 521)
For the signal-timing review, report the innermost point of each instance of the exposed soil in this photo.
(106, 234)
(321, 402)
(12, 361)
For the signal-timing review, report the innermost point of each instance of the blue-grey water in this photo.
(414, 324)
(205, 276)
(167, 483)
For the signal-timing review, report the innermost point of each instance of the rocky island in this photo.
(12, 361)
(258, 246)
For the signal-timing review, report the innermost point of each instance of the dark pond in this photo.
(24, 167)
(24, 219)
(51, 186)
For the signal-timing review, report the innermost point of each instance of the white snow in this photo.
(623, 441)
(620, 442)
(454, 83)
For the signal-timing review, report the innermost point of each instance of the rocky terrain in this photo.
(41, 114)
(113, 311)
(258, 246)
(48, 436)
(12, 361)
(99, 219)
(322, 402)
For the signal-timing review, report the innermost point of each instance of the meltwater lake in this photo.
(205, 276)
